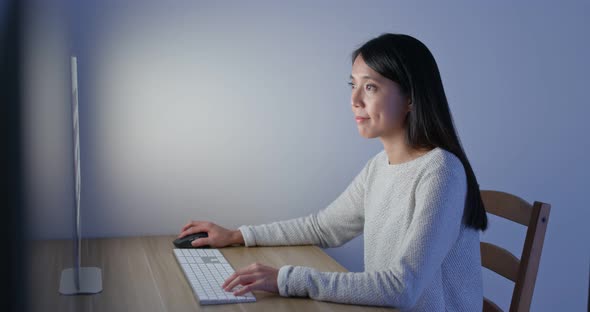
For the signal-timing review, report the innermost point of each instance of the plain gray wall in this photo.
(240, 113)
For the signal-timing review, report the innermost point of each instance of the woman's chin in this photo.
(367, 135)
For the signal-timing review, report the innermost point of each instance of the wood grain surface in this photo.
(141, 274)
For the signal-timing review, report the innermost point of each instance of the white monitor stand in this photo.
(78, 280)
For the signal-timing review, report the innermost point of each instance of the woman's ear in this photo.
(410, 106)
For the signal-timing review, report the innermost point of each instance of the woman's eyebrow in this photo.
(365, 77)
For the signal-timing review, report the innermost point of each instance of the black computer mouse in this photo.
(185, 242)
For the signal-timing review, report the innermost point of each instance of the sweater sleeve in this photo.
(333, 226)
(435, 226)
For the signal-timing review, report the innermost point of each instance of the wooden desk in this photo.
(141, 274)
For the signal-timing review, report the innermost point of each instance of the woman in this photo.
(417, 201)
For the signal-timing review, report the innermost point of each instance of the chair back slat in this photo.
(499, 260)
(490, 306)
(507, 206)
(531, 257)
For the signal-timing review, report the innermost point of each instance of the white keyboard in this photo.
(206, 270)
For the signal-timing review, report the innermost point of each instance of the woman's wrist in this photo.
(237, 238)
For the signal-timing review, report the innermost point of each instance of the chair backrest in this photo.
(522, 272)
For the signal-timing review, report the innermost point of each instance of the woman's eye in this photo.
(368, 87)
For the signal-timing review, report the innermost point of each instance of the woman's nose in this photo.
(355, 98)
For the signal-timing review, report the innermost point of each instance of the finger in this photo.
(190, 224)
(257, 285)
(228, 280)
(200, 227)
(246, 270)
(187, 226)
(241, 280)
(202, 224)
(199, 242)
(242, 271)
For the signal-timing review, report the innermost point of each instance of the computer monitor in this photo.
(14, 263)
(78, 280)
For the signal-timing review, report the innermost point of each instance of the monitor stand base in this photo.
(90, 281)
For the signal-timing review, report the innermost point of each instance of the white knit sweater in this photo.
(419, 256)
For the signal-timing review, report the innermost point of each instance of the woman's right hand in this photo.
(218, 236)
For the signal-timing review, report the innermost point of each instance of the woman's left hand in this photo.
(253, 277)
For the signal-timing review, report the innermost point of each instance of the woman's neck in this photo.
(399, 152)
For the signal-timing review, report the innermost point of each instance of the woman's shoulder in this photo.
(445, 159)
(443, 162)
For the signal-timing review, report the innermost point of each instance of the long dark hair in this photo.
(408, 62)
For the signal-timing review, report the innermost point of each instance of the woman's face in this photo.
(378, 104)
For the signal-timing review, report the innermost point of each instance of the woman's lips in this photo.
(360, 119)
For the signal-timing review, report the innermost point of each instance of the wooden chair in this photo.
(522, 272)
